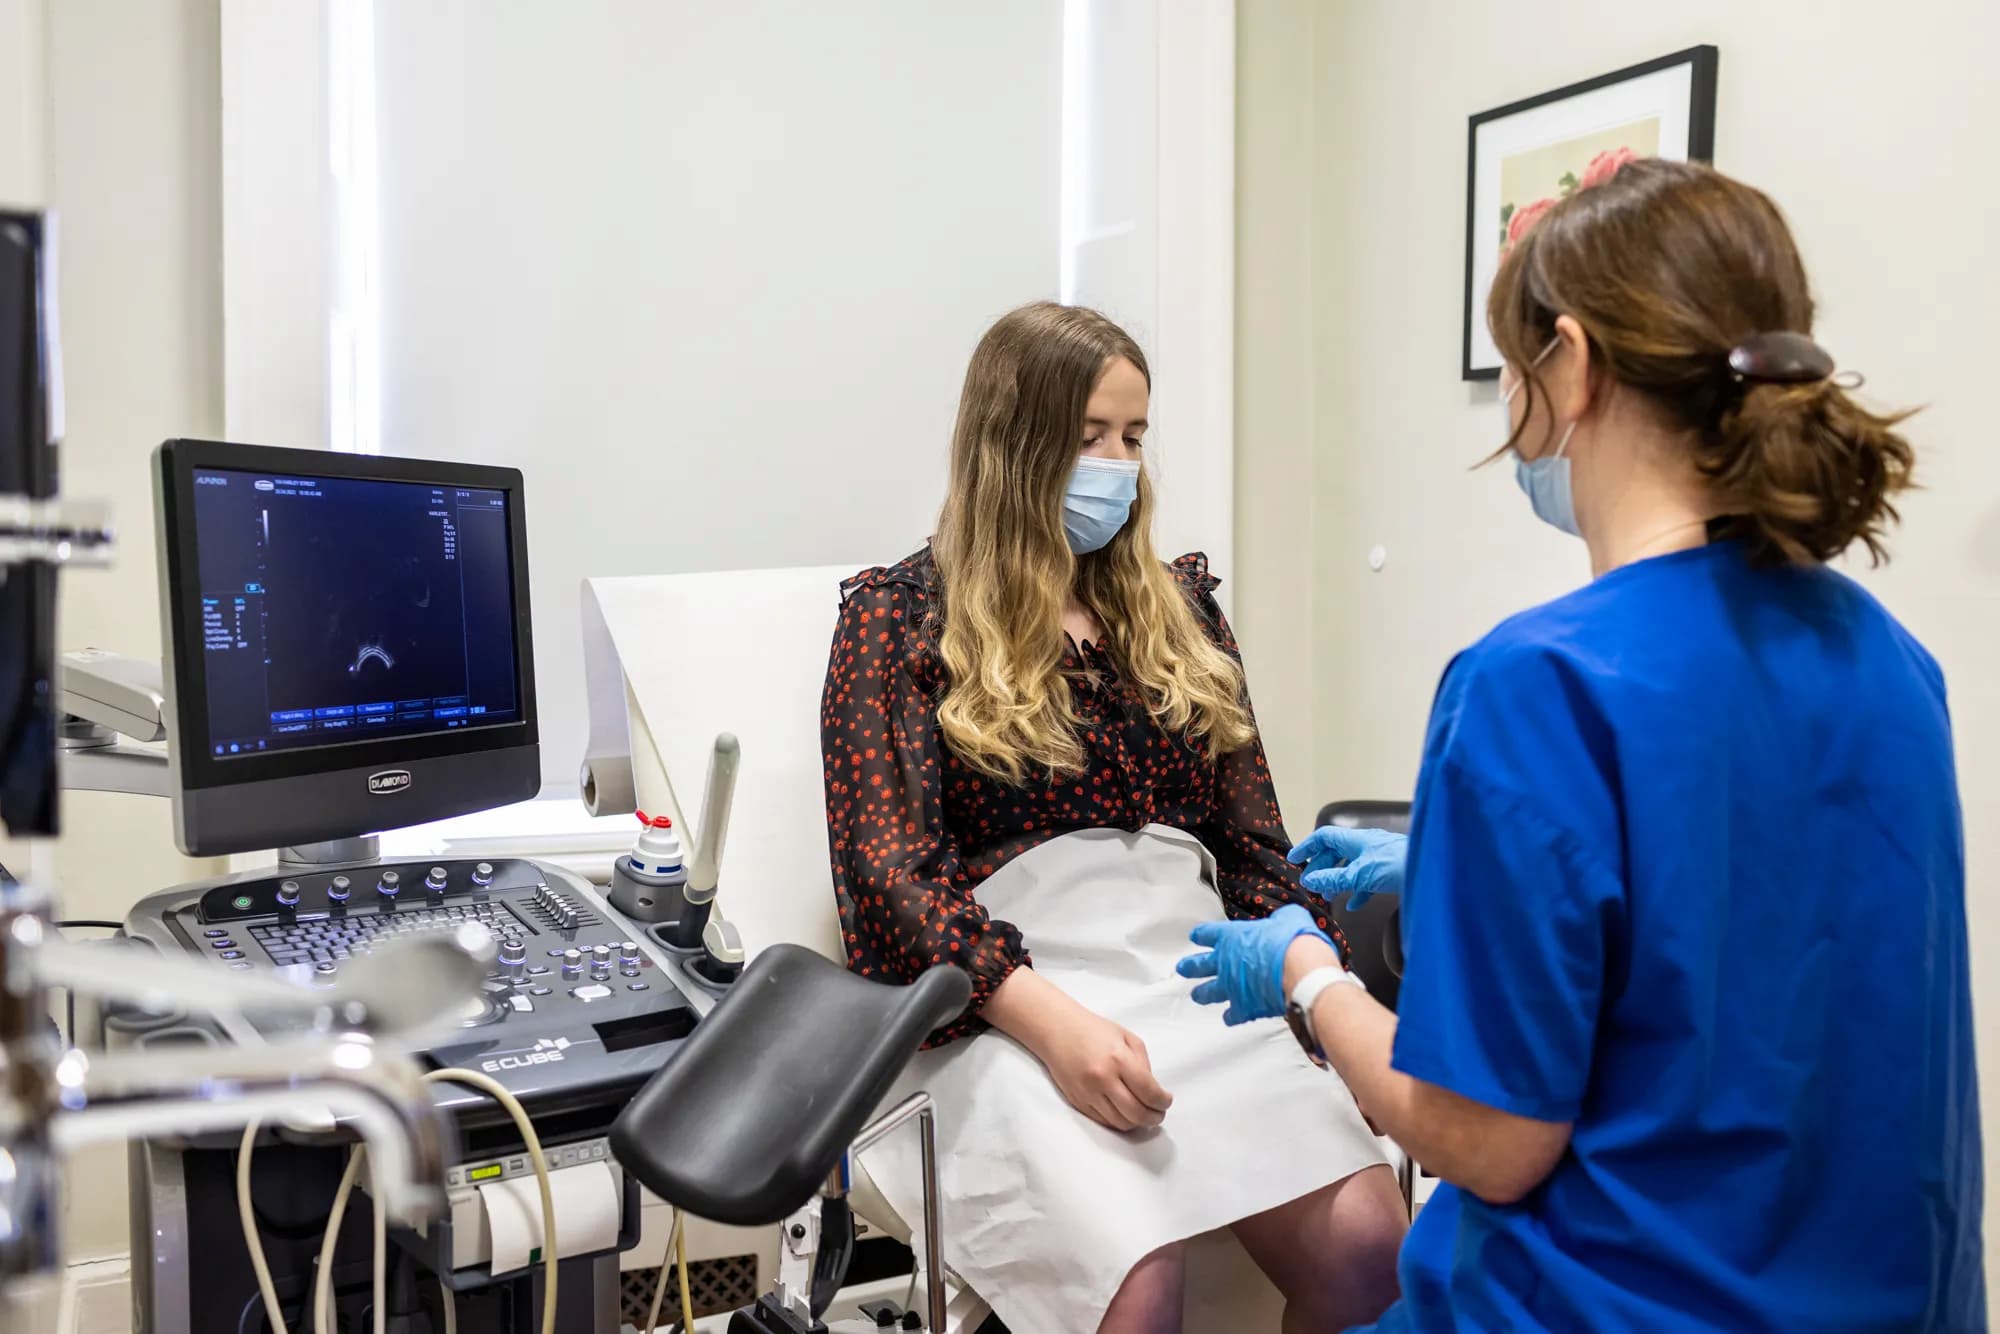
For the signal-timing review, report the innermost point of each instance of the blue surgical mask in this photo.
(1545, 481)
(1098, 501)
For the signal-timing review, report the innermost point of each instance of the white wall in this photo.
(1868, 126)
(108, 113)
(1275, 448)
(22, 94)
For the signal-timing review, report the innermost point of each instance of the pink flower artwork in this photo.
(1524, 218)
(1604, 166)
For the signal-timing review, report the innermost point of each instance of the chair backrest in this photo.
(743, 652)
(1374, 931)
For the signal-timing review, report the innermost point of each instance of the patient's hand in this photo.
(1101, 1067)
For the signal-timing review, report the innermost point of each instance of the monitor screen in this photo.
(334, 610)
(349, 644)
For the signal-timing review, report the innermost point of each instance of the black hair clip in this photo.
(1780, 357)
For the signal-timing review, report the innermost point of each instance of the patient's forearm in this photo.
(1100, 1066)
(1029, 1008)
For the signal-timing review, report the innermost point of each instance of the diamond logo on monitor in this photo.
(388, 782)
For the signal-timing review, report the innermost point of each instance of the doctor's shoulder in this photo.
(1865, 617)
(1540, 672)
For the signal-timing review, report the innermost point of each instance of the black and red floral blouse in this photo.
(914, 831)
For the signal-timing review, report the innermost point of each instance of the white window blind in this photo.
(709, 274)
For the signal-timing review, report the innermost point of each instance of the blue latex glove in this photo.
(1357, 862)
(1245, 962)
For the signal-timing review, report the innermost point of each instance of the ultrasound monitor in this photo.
(28, 407)
(348, 643)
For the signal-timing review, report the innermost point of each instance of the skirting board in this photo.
(96, 1299)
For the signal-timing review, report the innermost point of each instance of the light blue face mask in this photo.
(1545, 481)
(1098, 501)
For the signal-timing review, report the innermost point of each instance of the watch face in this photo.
(1297, 1019)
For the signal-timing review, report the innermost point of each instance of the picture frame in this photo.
(1540, 149)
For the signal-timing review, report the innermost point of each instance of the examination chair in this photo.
(1375, 932)
(758, 1113)
(749, 658)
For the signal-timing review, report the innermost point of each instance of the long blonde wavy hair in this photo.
(1007, 569)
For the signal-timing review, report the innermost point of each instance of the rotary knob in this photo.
(437, 881)
(628, 951)
(482, 874)
(600, 963)
(390, 885)
(339, 888)
(288, 894)
(572, 965)
(513, 951)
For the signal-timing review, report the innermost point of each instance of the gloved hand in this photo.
(1246, 962)
(1357, 862)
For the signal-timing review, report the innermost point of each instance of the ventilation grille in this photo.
(715, 1287)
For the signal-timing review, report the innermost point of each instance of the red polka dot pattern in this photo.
(913, 830)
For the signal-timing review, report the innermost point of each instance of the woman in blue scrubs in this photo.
(1686, 1025)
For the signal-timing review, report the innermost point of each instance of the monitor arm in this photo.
(106, 699)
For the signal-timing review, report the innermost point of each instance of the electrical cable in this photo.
(381, 1264)
(681, 1262)
(522, 1123)
(450, 1306)
(322, 1288)
(272, 1310)
(90, 922)
(323, 1284)
(498, 1092)
(660, 1284)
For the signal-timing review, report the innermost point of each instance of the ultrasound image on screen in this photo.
(336, 610)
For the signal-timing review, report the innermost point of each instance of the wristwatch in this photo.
(1299, 1013)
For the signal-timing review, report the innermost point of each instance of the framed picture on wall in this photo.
(1525, 156)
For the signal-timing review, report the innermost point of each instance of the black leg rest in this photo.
(755, 1110)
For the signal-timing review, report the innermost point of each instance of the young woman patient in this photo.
(1041, 767)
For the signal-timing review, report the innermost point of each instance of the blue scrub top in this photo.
(1687, 872)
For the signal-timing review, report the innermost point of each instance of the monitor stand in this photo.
(333, 852)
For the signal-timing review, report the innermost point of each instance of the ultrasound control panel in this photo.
(577, 1000)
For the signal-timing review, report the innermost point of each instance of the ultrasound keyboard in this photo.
(577, 1000)
(326, 942)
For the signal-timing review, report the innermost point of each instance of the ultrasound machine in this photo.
(349, 651)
